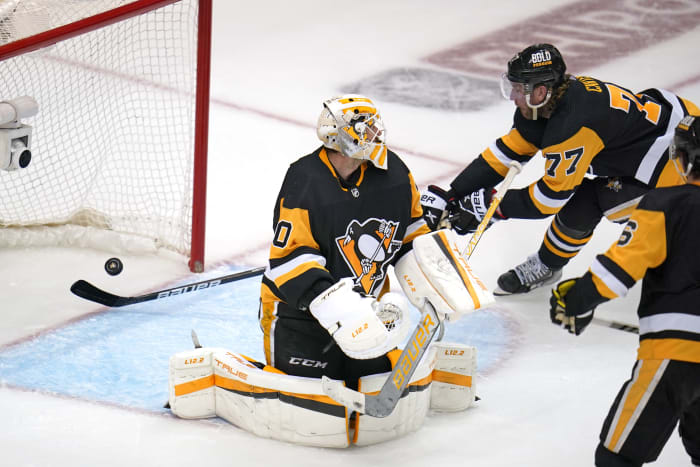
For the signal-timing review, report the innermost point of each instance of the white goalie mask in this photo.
(352, 125)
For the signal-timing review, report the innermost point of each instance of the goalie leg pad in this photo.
(191, 384)
(275, 405)
(435, 270)
(453, 377)
(409, 413)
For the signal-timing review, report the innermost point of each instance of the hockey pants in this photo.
(573, 226)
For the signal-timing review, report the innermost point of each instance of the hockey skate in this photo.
(526, 276)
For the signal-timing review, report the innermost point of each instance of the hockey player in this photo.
(604, 148)
(658, 244)
(344, 213)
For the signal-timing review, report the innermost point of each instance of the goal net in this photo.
(119, 141)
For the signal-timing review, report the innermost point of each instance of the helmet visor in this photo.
(511, 90)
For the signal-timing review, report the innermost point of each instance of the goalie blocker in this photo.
(210, 382)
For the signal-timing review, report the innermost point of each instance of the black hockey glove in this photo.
(434, 201)
(466, 213)
(567, 307)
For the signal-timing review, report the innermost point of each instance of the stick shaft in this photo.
(616, 325)
(383, 404)
(90, 292)
(495, 201)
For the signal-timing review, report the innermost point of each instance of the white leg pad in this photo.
(453, 377)
(211, 382)
(274, 405)
(410, 411)
(191, 384)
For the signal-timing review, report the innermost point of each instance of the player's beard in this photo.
(525, 111)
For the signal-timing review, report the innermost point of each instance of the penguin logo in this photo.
(367, 249)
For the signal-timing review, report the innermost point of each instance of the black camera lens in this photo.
(25, 158)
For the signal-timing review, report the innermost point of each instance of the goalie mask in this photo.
(685, 148)
(351, 125)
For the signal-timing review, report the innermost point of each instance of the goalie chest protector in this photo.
(342, 224)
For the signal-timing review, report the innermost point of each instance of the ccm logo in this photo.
(307, 362)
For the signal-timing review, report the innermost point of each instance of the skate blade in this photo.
(499, 292)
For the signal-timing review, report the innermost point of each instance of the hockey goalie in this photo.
(333, 374)
(266, 401)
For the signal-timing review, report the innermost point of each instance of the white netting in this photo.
(113, 141)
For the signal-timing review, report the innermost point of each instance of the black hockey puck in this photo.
(114, 266)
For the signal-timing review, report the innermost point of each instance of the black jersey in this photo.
(326, 229)
(597, 128)
(659, 244)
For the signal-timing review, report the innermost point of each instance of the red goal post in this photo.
(119, 143)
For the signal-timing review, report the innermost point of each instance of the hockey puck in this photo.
(114, 266)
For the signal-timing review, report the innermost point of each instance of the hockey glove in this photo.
(434, 201)
(466, 213)
(567, 307)
(352, 321)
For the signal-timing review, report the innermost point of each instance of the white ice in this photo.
(542, 404)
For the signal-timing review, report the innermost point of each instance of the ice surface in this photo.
(81, 385)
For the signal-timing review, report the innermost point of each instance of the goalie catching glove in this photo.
(572, 303)
(362, 327)
(436, 271)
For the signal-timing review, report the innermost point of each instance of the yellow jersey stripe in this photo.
(646, 377)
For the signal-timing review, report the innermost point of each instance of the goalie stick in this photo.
(86, 290)
(382, 404)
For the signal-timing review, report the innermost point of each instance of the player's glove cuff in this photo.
(434, 202)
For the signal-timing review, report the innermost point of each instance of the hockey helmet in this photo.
(351, 124)
(535, 65)
(539, 64)
(685, 148)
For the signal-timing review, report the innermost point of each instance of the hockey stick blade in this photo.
(381, 405)
(86, 290)
(616, 325)
(195, 340)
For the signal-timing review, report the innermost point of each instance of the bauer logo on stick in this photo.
(114, 266)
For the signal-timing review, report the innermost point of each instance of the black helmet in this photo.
(537, 64)
(685, 149)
